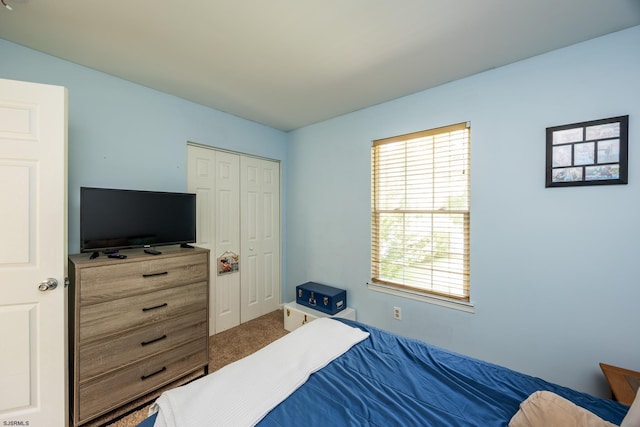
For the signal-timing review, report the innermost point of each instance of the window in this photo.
(420, 212)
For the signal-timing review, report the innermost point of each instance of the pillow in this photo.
(547, 409)
(632, 419)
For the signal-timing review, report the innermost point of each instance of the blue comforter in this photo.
(388, 380)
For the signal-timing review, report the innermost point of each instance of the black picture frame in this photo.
(588, 153)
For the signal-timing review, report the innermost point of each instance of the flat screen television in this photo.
(113, 219)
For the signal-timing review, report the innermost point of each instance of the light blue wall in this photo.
(123, 135)
(554, 272)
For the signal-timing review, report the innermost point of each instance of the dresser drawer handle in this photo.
(155, 307)
(143, 343)
(144, 377)
(164, 273)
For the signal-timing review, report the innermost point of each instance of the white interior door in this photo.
(260, 237)
(33, 219)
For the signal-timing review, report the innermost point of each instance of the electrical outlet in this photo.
(397, 313)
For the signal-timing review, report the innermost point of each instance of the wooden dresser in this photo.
(135, 325)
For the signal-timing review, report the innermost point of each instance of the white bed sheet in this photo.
(242, 393)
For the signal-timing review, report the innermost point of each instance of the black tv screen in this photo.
(112, 219)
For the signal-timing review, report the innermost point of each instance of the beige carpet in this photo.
(224, 348)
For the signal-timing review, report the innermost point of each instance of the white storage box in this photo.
(296, 315)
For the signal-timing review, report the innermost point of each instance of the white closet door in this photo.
(238, 211)
(260, 237)
(227, 238)
(213, 176)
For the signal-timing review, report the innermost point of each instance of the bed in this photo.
(374, 378)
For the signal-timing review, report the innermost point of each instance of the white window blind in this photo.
(420, 211)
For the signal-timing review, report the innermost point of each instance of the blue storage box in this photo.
(326, 299)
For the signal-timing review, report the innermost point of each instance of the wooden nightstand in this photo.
(623, 383)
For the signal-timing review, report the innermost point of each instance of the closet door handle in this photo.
(143, 343)
(144, 377)
(164, 273)
(155, 307)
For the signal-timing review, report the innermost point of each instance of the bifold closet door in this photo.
(214, 177)
(227, 238)
(260, 237)
(238, 210)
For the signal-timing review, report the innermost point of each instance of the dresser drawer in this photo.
(96, 397)
(112, 353)
(113, 317)
(125, 278)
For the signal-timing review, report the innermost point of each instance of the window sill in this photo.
(430, 299)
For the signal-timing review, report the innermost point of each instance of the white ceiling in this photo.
(291, 63)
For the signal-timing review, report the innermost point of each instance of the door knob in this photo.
(48, 285)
